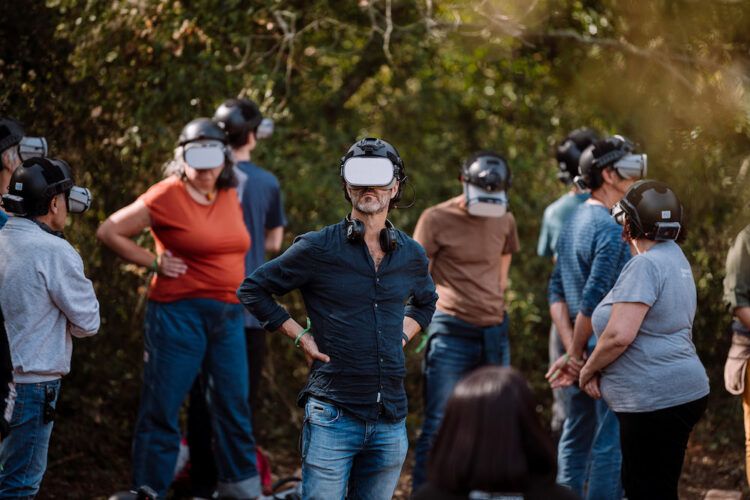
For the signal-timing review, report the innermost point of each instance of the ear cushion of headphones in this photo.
(355, 230)
(388, 239)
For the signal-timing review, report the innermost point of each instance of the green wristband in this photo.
(155, 265)
(302, 333)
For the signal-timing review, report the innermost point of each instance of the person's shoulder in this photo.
(258, 173)
(322, 238)
(165, 187)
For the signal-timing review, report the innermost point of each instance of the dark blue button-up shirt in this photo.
(356, 312)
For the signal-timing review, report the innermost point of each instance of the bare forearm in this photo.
(582, 331)
(561, 319)
(291, 328)
(411, 327)
(743, 314)
(129, 250)
(608, 349)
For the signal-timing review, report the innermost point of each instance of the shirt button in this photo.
(376, 304)
(381, 360)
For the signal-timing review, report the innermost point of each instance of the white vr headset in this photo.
(632, 166)
(483, 203)
(204, 155)
(32, 147)
(369, 171)
(265, 129)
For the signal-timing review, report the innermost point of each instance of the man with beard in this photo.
(367, 291)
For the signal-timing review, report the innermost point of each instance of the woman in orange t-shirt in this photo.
(194, 320)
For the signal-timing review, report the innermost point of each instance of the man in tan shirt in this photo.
(469, 240)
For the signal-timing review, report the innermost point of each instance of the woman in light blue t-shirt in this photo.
(645, 365)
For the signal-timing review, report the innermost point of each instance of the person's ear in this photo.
(252, 140)
(54, 207)
(609, 176)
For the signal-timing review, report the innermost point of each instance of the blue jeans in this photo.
(455, 348)
(23, 454)
(589, 448)
(181, 337)
(346, 457)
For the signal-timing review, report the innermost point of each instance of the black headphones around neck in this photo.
(355, 232)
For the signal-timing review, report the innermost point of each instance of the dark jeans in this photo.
(199, 436)
(455, 348)
(653, 449)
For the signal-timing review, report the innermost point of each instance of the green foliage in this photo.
(111, 84)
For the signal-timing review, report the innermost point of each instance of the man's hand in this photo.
(564, 372)
(591, 387)
(308, 345)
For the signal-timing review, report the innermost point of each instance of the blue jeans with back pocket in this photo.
(346, 457)
(23, 453)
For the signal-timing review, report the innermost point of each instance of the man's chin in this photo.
(370, 208)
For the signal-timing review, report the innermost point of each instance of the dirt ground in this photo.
(82, 475)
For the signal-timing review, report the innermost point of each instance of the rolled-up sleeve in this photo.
(421, 304)
(277, 277)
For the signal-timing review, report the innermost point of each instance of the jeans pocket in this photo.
(304, 439)
(320, 412)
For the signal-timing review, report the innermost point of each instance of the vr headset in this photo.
(203, 155)
(369, 171)
(482, 203)
(32, 147)
(265, 129)
(632, 166)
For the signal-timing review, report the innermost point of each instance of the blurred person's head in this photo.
(11, 134)
(244, 124)
(609, 167)
(568, 152)
(490, 439)
(202, 157)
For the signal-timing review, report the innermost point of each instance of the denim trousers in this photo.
(23, 453)
(455, 348)
(588, 454)
(346, 457)
(181, 339)
(556, 349)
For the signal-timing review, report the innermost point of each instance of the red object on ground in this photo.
(264, 470)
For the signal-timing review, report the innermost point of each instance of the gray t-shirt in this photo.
(660, 369)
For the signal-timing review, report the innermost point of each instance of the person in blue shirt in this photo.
(367, 292)
(260, 196)
(590, 254)
(11, 134)
(554, 220)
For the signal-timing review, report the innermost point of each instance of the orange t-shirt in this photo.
(211, 239)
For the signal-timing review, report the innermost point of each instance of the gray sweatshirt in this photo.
(46, 300)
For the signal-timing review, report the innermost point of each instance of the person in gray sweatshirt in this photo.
(46, 300)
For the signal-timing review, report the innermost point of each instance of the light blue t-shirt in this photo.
(660, 369)
(555, 217)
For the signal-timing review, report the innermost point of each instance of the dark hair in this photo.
(490, 438)
(227, 179)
